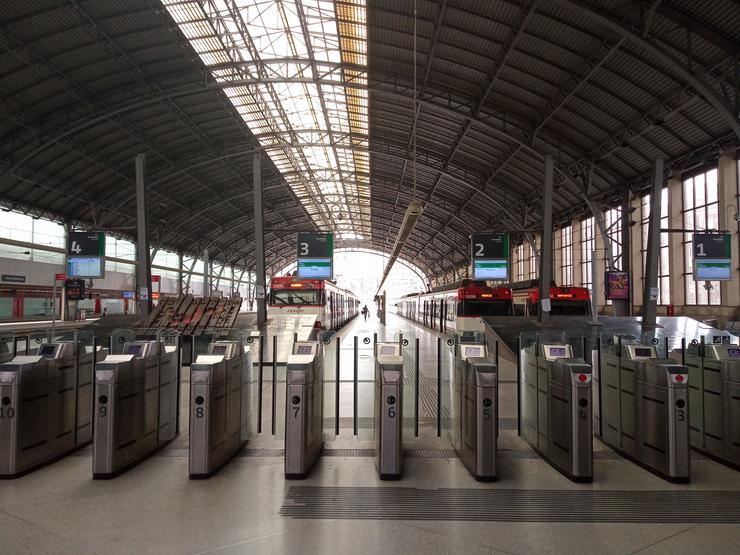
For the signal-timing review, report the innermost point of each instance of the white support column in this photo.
(675, 240)
(577, 255)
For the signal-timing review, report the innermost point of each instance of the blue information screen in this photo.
(494, 269)
(315, 268)
(709, 269)
(85, 267)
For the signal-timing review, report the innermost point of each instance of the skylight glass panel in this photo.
(296, 71)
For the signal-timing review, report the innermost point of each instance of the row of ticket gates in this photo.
(61, 399)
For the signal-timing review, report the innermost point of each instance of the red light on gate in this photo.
(582, 377)
(679, 378)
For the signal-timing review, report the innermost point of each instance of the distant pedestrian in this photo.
(365, 312)
(105, 311)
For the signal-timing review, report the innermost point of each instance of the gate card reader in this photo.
(219, 406)
(304, 404)
(475, 389)
(557, 409)
(645, 409)
(135, 406)
(714, 400)
(389, 410)
(46, 406)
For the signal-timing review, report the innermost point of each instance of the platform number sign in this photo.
(85, 254)
(490, 256)
(315, 255)
(712, 256)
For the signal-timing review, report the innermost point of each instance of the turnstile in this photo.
(45, 406)
(714, 400)
(304, 408)
(556, 409)
(644, 408)
(475, 387)
(389, 410)
(135, 405)
(220, 384)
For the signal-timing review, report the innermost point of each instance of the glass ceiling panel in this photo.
(296, 71)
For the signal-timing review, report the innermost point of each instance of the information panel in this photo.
(712, 256)
(315, 268)
(86, 243)
(315, 255)
(75, 289)
(85, 267)
(490, 256)
(617, 286)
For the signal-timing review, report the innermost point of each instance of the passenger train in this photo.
(564, 300)
(459, 309)
(293, 296)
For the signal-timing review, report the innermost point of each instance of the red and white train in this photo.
(457, 310)
(332, 306)
(564, 300)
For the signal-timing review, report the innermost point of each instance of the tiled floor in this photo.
(154, 508)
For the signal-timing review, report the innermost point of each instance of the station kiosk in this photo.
(135, 405)
(389, 410)
(45, 405)
(556, 409)
(220, 383)
(475, 388)
(714, 400)
(644, 408)
(304, 408)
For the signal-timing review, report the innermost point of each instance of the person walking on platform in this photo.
(365, 311)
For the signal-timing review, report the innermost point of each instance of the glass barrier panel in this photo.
(528, 376)
(329, 343)
(447, 404)
(6, 346)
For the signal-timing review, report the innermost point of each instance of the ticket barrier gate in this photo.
(714, 400)
(556, 410)
(304, 408)
(135, 406)
(389, 410)
(219, 406)
(45, 406)
(476, 428)
(644, 408)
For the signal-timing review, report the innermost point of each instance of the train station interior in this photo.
(333, 276)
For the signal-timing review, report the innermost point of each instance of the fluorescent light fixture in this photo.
(413, 213)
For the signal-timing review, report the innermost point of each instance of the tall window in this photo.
(533, 260)
(613, 221)
(566, 255)
(700, 212)
(519, 254)
(587, 249)
(664, 268)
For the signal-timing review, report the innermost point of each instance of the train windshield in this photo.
(569, 308)
(296, 297)
(493, 307)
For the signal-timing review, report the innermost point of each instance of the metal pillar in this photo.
(206, 274)
(543, 310)
(180, 284)
(144, 265)
(624, 307)
(650, 292)
(259, 240)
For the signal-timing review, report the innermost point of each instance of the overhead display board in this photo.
(712, 256)
(315, 255)
(86, 254)
(490, 256)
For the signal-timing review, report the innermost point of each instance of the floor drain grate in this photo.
(512, 505)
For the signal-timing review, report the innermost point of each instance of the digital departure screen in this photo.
(643, 352)
(315, 268)
(387, 350)
(85, 267)
(133, 350)
(47, 350)
(304, 350)
(557, 351)
(493, 269)
(710, 269)
(472, 352)
(733, 352)
(219, 350)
